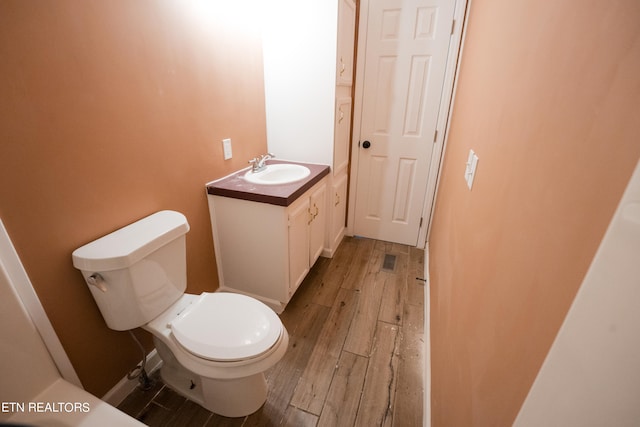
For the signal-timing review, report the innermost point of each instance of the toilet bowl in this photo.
(226, 363)
(215, 347)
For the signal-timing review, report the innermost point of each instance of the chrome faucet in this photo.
(258, 163)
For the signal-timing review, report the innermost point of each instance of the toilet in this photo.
(215, 347)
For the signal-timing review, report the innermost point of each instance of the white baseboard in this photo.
(125, 386)
(426, 418)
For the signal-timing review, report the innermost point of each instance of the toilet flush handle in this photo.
(98, 281)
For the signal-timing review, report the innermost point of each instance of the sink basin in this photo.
(278, 174)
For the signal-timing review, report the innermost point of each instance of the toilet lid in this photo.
(226, 326)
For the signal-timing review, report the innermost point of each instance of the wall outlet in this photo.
(226, 148)
(470, 170)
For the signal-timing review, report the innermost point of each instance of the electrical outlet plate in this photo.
(226, 148)
(470, 170)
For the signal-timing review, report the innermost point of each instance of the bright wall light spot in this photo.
(242, 16)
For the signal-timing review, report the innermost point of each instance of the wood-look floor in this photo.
(355, 355)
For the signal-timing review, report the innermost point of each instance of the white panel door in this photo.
(404, 68)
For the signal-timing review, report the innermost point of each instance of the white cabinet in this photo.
(341, 137)
(346, 40)
(307, 222)
(266, 250)
(338, 207)
(318, 222)
(299, 216)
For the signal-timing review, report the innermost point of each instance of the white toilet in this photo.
(215, 347)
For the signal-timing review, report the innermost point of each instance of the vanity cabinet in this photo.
(265, 250)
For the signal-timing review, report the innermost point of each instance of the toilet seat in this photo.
(226, 327)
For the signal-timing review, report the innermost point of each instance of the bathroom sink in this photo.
(278, 174)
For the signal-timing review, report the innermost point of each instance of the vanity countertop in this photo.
(237, 187)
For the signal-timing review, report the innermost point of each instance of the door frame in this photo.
(446, 101)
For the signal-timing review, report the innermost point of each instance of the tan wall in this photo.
(110, 111)
(548, 97)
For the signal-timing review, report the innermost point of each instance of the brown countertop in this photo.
(237, 187)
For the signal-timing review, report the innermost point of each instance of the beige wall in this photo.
(548, 98)
(110, 111)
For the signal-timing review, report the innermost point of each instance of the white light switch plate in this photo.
(226, 148)
(470, 170)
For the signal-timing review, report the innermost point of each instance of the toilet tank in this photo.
(138, 271)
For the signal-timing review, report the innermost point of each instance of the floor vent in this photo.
(389, 262)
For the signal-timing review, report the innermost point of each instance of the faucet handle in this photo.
(264, 158)
(258, 163)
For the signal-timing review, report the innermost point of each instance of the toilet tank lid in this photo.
(130, 244)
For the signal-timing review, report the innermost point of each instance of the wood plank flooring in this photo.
(355, 355)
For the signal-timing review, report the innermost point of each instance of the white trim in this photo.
(363, 21)
(446, 107)
(426, 413)
(125, 386)
(466, 10)
(19, 278)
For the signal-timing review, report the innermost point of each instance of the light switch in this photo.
(470, 170)
(226, 148)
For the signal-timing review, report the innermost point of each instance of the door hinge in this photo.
(453, 25)
(435, 135)
(421, 218)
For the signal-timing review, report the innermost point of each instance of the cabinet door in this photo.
(317, 207)
(298, 218)
(346, 37)
(339, 210)
(341, 136)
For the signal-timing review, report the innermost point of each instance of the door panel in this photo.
(346, 32)
(317, 208)
(298, 218)
(342, 133)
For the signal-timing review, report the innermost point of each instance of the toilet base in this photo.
(235, 397)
